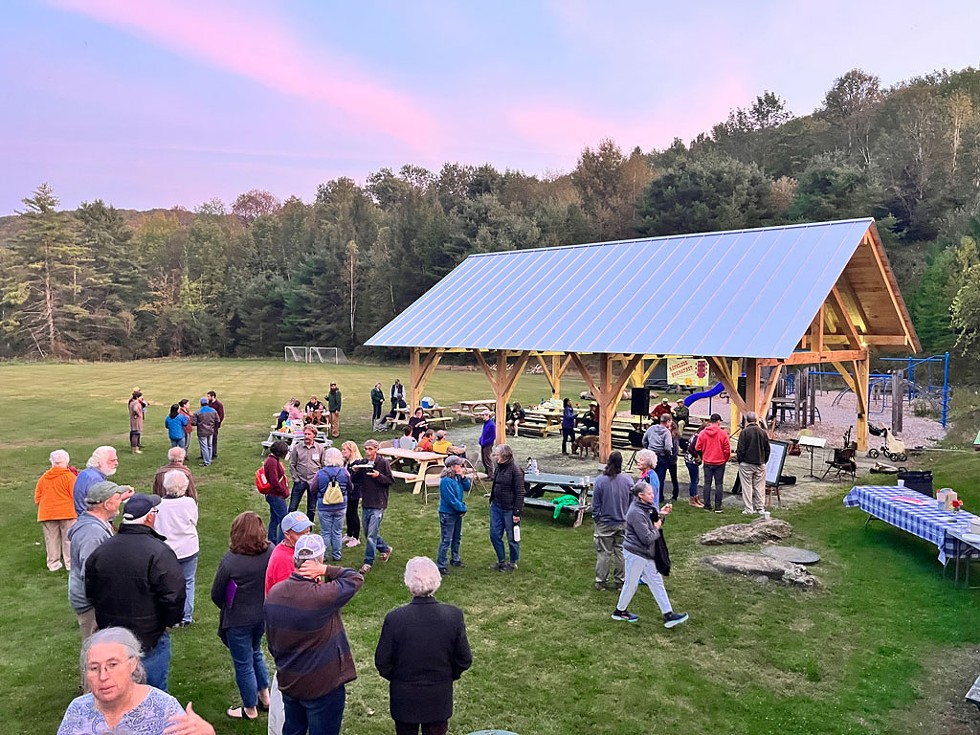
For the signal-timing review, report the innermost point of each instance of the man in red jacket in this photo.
(716, 450)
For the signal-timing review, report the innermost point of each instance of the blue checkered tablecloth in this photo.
(926, 521)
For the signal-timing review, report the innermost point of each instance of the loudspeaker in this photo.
(741, 386)
(640, 402)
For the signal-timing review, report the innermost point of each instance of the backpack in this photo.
(333, 495)
(262, 483)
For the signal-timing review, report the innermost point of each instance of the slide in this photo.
(710, 393)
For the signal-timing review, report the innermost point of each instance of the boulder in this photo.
(759, 531)
(757, 565)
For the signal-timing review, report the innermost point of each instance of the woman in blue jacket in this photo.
(176, 424)
(331, 511)
(451, 512)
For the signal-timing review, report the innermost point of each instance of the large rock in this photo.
(762, 567)
(759, 531)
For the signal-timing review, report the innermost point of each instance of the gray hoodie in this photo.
(658, 439)
(87, 533)
(640, 531)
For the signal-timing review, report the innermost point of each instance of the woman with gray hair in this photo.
(646, 556)
(423, 649)
(53, 495)
(330, 487)
(646, 463)
(177, 520)
(117, 700)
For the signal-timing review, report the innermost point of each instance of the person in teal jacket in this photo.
(377, 398)
(451, 512)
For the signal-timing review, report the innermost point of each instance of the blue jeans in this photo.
(372, 518)
(331, 527)
(205, 443)
(661, 470)
(321, 716)
(189, 567)
(694, 471)
(182, 442)
(500, 521)
(156, 661)
(300, 487)
(251, 672)
(277, 511)
(450, 534)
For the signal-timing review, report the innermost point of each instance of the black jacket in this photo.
(753, 445)
(422, 650)
(134, 580)
(248, 572)
(508, 487)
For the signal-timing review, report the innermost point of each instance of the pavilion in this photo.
(807, 294)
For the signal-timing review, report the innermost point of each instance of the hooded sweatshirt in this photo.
(658, 439)
(713, 445)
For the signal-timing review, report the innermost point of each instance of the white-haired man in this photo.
(100, 466)
(175, 461)
(56, 509)
(92, 528)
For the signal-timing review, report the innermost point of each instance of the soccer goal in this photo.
(333, 355)
(296, 354)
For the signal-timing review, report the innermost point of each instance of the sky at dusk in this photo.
(156, 104)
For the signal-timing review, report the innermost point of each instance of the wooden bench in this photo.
(536, 425)
(408, 477)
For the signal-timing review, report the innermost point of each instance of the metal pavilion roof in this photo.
(743, 293)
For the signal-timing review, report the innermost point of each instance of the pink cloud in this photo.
(258, 48)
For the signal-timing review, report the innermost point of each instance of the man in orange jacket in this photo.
(56, 509)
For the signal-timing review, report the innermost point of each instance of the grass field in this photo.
(849, 658)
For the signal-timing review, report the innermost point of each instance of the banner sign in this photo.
(687, 371)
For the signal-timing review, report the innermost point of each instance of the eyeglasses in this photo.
(108, 667)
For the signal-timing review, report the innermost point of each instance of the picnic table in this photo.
(424, 460)
(540, 422)
(289, 437)
(474, 409)
(545, 482)
(920, 515)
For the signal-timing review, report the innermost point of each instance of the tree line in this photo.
(242, 280)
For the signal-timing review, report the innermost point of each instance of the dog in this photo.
(586, 443)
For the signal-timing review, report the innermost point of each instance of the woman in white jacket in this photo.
(177, 520)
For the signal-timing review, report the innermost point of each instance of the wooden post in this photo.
(753, 387)
(737, 404)
(556, 370)
(862, 376)
(897, 401)
(420, 370)
(503, 384)
(607, 391)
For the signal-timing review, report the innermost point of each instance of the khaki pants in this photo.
(753, 479)
(609, 549)
(87, 624)
(56, 542)
(335, 423)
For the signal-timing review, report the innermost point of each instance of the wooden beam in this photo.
(817, 333)
(753, 384)
(485, 367)
(845, 374)
(547, 372)
(862, 370)
(584, 372)
(767, 396)
(608, 399)
(848, 292)
(889, 340)
(837, 301)
(815, 358)
(725, 378)
(885, 271)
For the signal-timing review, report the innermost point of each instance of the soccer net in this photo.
(333, 355)
(296, 354)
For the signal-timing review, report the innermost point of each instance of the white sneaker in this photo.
(353, 542)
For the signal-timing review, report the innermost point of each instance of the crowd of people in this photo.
(131, 585)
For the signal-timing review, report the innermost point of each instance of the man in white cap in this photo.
(92, 528)
(306, 637)
(135, 581)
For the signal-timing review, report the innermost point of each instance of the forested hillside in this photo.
(245, 279)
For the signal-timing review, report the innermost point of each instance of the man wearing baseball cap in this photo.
(487, 439)
(135, 581)
(90, 531)
(306, 637)
(715, 449)
(294, 526)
